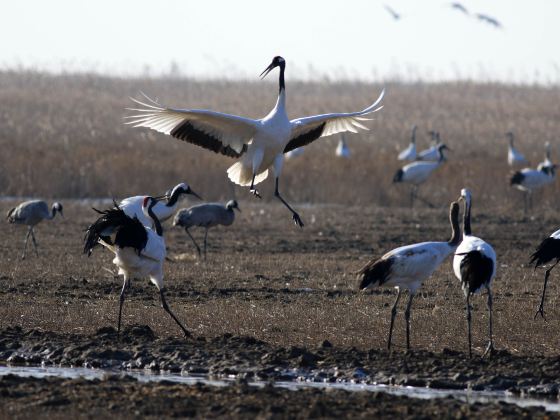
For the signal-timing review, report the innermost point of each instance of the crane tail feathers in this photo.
(242, 175)
(375, 272)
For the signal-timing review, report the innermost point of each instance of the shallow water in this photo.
(408, 391)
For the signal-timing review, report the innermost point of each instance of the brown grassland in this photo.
(63, 137)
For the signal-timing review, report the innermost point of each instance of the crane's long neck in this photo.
(157, 224)
(281, 101)
(174, 198)
(467, 217)
(455, 231)
(53, 213)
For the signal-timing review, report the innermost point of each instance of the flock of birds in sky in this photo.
(481, 17)
(132, 229)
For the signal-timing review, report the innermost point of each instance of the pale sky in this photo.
(237, 39)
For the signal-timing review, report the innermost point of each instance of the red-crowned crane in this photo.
(514, 156)
(528, 180)
(408, 267)
(139, 250)
(30, 213)
(132, 206)
(547, 251)
(410, 152)
(259, 144)
(418, 172)
(474, 265)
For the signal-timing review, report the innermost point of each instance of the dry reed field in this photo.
(63, 136)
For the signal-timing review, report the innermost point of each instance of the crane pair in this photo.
(407, 267)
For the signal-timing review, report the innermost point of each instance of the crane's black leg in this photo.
(526, 203)
(469, 324)
(205, 237)
(25, 244)
(490, 347)
(166, 308)
(193, 241)
(546, 275)
(393, 316)
(126, 284)
(407, 318)
(252, 188)
(295, 216)
(34, 241)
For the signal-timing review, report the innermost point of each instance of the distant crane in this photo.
(418, 172)
(528, 180)
(132, 206)
(474, 265)
(431, 153)
(139, 250)
(259, 144)
(514, 156)
(458, 6)
(30, 213)
(342, 149)
(410, 152)
(408, 267)
(206, 215)
(547, 251)
(392, 12)
(489, 19)
(546, 163)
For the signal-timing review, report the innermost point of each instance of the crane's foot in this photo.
(297, 220)
(540, 312)
(490, 350)
(255, 192)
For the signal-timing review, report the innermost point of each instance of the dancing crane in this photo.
(258, 144)
(132, 206)
(139, 250)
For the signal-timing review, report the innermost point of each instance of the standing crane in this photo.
(206, 215)
(514, 156)
(547, 251)
(410, 152)
(416, 173)
(528, 180)
(30, 213)
(432, 152)
(408, 267)
(474, 265)
(258, 144)
(139, 250)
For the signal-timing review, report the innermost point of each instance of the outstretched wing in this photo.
(308, 129)
(222, 133)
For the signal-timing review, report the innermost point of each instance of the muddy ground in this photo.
(276, 302)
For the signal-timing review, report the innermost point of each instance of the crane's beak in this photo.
(267, 70)
(238, 209)
(161, 197)
(193, 193)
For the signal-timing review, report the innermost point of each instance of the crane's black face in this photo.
(276, 62)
